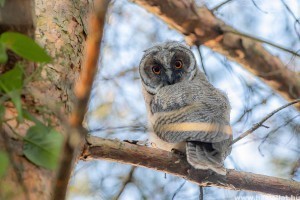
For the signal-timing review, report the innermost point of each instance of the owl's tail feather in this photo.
(201, 155)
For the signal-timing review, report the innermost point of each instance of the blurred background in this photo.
(117, 107)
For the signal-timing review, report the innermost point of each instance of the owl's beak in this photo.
(170, 80)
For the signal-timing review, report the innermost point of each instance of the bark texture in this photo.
(200, 26)
(114, 150)
(60, 30)
(75, 137)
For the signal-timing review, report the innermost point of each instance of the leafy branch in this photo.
(42, 144)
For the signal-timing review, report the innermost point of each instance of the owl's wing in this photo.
(191, 111)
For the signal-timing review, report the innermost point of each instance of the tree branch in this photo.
(202, 61)
(257, 39)
(259, 124)
(76, 134)
(220, 5)
(114, 150)
(200, 26)
(125, 182)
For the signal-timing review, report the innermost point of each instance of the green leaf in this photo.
(4, 162)
(2, 112)
(27, 115)
(2, 2)
(42, 146)
(16, 99)
(3, 54)
(12, 80)
(24, 46)
(11, 83)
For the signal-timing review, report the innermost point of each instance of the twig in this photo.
(226, 30)
(294, 16)
(201, 60)
(121, 74)
(249, 110)
(201, 193)
(255, 4)
(75, 136)
(178, 189)
(256, 126)
(273, 131)
(220, 5)
(128, 179)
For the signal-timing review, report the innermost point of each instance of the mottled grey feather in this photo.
(190, 99)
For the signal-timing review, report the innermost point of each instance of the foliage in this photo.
(3, 55)
(4, 162)
(11, 84)
(24, 46)
(2, 2)
(42, 144)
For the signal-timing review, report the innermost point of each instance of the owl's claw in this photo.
(180, 153)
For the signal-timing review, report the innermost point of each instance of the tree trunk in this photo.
(59, 28)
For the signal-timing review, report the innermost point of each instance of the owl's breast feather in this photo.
(173, 97)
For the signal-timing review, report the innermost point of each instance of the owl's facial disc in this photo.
(167, 64)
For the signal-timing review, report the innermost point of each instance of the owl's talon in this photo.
(176, 151)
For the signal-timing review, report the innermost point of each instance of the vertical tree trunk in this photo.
(58, 26)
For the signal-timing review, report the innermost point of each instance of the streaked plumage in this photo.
(185, 111)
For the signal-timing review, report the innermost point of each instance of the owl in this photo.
(186, 113)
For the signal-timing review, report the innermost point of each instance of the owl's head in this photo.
(166, 64)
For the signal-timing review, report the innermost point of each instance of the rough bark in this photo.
(60, 29)
(74, 139)
(200, 26)
(114, 150)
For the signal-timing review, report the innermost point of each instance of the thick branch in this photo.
(75, 136)
(114, 150)
(201, 27)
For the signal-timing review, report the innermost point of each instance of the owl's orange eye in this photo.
(156, 69)
(178, 64)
